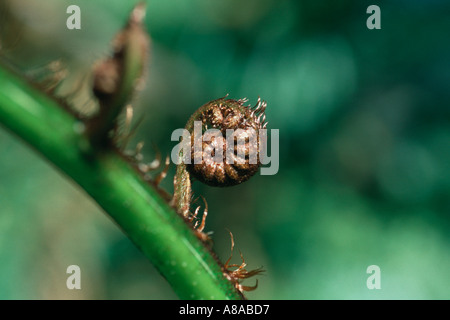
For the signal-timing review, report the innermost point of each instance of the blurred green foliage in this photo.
(364, 124)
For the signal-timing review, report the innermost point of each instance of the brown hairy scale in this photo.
(224, 114)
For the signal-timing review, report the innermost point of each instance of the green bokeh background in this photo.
(364, 124)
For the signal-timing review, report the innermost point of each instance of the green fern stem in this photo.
(161, 234)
